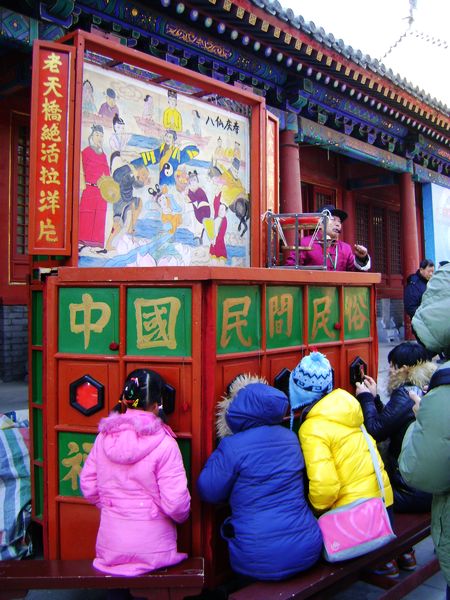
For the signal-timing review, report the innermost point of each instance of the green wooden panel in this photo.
(238, 318)
(38, 495)
(356, 313)
(36, 318)
(88, 320)
(73, 449)
(159, 321)
(36, 376)
(284, 310)
(185, 449)
(38, 435)
(323, 314)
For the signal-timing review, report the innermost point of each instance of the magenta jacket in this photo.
(135, 475)
(340, 256)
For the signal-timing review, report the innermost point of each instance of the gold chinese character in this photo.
(47, 230)
(280, 306)
(49, 176)
(50, 153)
(51, 134)
(74, 462)
(356, 311)
(52, 84)
(87, 308)
(233, 319)
(51, 110)
(52, 63)
(49, 201)
(322, 309)
(156, 321)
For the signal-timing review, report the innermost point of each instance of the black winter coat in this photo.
(391, 422)
(412, 295)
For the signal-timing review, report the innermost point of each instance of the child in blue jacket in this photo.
(259, 469)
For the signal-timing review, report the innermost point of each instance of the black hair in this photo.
(426, 262)
(443, 262)
(408, 354)
(142, 388)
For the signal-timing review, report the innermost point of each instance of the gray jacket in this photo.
(425, 456)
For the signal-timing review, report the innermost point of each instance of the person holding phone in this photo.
(410, 370)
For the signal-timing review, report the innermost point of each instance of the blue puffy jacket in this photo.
(259, 469)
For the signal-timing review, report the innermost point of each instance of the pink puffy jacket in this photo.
(135, 475)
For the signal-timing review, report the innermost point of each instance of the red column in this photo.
(408, 222)
(290, 188)
(349, 229)
(409, 235)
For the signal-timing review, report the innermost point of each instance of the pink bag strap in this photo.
(376, 465)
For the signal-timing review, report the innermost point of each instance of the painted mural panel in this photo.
(164, 178)
(159, 321)
(284, 310)
(356, 313)
(238, 318)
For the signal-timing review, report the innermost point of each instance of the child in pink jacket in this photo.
(135, 475)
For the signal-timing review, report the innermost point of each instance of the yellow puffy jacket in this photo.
(337, 457)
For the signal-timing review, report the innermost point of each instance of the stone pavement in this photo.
(14, 396)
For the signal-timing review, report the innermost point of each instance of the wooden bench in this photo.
(172, 583)
(324, 579)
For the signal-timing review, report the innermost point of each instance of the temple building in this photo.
(344, 130)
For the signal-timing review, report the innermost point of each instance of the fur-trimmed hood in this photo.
(250, 402)
(127, 438)
(418, 375)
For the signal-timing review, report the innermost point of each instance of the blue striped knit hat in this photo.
(311, 380)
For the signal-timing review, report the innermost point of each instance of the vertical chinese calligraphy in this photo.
(49, 161)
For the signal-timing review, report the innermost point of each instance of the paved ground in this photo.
(14, 396)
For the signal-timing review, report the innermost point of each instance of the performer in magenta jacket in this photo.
(340, 255)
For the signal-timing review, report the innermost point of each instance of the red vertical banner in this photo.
(51, 149)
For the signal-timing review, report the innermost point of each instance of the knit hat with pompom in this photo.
(311, 380)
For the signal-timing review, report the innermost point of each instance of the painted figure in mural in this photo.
(237, 150)
(147, 111)
(340, 255)
(172, 116)
(218, 249)
(119, 139)
(109, 108)
(219, 152)
(88, 97)
(92, 215)
(196, 123)
(234, 194)
(170, 210)
(202, 209)
(169, 156)
(130, 177)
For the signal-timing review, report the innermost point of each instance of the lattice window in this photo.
(20, 161)
(379, 256)
(322, 197)
(395, 258)
(362, 224)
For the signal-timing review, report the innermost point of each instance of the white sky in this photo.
(373, 27)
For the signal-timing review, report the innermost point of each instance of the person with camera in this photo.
(410, 369)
